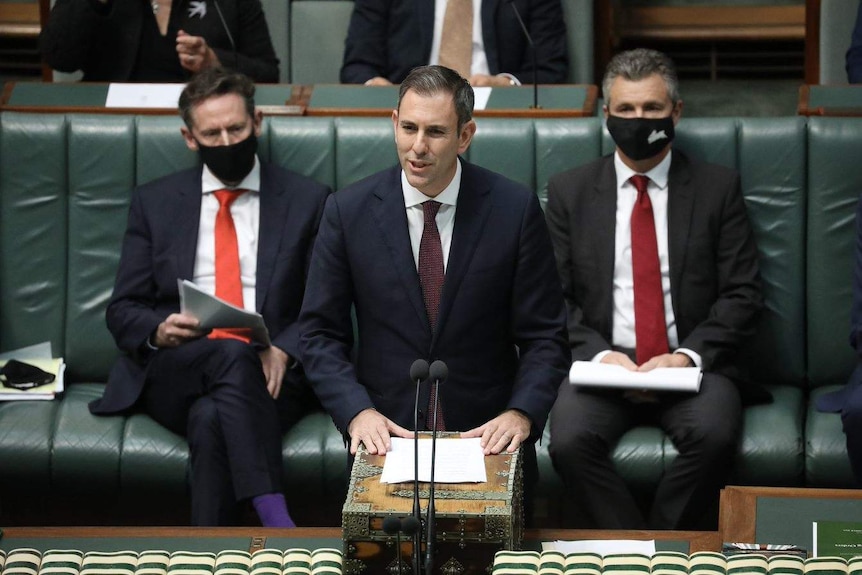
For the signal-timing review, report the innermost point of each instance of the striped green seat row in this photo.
(668, 563)
(227, 562)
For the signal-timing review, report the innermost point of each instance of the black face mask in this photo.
(230, 163)
(641, 138)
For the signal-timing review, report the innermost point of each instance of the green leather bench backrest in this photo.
(33, 230)
(49, 294)
(835, 173)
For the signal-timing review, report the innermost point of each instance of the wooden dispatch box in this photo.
(474, 520)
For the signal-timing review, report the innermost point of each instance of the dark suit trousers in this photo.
(587, 424)
(214, 392)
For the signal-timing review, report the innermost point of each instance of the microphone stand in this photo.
(393, 525)
(418, 374)
(439, 372)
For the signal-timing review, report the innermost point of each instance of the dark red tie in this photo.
(431, 275)
(650, 325)
(228, 278)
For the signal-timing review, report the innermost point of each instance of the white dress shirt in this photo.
(413, 200)
(246, 218)
(624, 307)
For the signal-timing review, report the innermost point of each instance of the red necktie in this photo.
(650, 324)
(228, 279)
(431, 274)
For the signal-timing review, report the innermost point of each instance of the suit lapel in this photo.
(390, 216)
(471, 213)
(604, 214)
(274, 202)
(680, 202)
(187, 216)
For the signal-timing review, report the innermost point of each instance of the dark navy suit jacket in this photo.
(501, 322)
(391, 37)
(853, 59)
(160, 246)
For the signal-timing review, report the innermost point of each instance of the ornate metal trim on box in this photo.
(473, 520)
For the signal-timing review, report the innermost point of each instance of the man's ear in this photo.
(191, 143)
(258, 122)
(468, 130)
(676, 113)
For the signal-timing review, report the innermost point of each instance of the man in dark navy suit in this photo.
(443, 260)
(242, 230)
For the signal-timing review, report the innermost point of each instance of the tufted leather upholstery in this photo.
(64, 192)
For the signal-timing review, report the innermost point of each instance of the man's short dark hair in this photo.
(638, 64)
(431, 80)
(212, 82)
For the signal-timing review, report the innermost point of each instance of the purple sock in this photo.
(272, 510)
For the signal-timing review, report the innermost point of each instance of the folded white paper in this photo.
(595, 374)
(602, 546)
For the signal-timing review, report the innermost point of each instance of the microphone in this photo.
(394, 526)
(418, 374)
(438, 372)
(229, 35)
(533, 50)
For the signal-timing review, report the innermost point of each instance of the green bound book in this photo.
(191, 563)
(786, 565)
(669, 563)
(297, 562)
(552, 562)
(516, 563)
(61, 562)
(267, 562)
(854, 566)
(2, 559)
(109, 563)
(22, 561)
(826, 566)
(837, 539)
(707, 563)
(747, 564)
(584, 564)
(232, 562)
(326, 561)
(153, 562)
(626, 564)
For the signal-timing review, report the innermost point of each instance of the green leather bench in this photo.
(64, 191)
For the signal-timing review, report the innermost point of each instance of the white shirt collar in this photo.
(210, 183)
(449, 195)
(658, 175)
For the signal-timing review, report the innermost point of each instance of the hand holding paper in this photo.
(214, 313)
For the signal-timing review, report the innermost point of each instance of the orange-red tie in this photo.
(650, 323)
(228, 278)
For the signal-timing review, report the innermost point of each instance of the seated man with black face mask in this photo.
(243, 231)
(659, 269)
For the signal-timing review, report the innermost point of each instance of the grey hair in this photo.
(639, 64)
